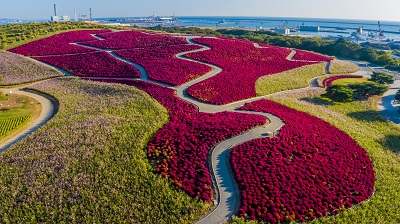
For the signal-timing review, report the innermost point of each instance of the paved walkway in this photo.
(388, 107)
(46, 114)
(227, 200)
(228, 195)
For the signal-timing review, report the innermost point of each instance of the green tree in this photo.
(382, 78)
(367, 89)
(397, 96)
(339, 93)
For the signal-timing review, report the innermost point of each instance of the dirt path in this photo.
(47, 112)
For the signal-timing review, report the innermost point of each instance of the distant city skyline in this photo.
(384, 10)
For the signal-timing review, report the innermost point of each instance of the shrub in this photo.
(397, 96)
(339, 93)
(367, 89)
(382, 78)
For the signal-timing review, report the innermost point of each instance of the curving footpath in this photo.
(388, 107)
(227, 192)
(228, 196)
(47, 112)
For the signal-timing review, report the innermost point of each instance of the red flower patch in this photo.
(328, 81)
(97, 64)
(58, 44)
(242, 65)
(162, 65)
(134, 39)
(179, 150)
(310, 56)
(312, 169)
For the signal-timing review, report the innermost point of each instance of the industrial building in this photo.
(310, 28)
(60, 19)
(284, 31)
(56, 18)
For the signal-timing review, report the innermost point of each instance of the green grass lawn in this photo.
(15, 113)
(292, 79)
(380, 138)
(342, 67)
(88, 164)
(348, 81)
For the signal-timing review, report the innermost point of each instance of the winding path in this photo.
(227, 193)
(47, 112)
(388, 107)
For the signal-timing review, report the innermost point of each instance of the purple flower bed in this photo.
(134, 39)
(242, 65)
(310, 56)
(328, 81)
(58, 44)
(312, 169)
(97, 64)
(162, 65)
(179, 150)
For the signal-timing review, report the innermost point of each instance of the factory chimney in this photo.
(55, 10)
(75, 16)
(90, 10)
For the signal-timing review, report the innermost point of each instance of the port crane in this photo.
(282, 26)
(381, 31)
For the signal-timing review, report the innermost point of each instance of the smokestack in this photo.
(55, 10)
(90, 10)
(75, 16)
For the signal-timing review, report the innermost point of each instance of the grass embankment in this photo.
(16, 69)
(293, 79)
(377, 136)
(89, 164)
(342, 67)
(349, 81)
(15, 113)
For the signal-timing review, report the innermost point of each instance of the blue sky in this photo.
(386, 10)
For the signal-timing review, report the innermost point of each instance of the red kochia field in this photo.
(328, 81)
(310, 56)
(58, 44)
(242, 65)
(134, 39)
(96, 64)
(179, 150)
(162, 65)
(312, 169)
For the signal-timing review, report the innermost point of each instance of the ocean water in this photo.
(335, 27)
(342, 27)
